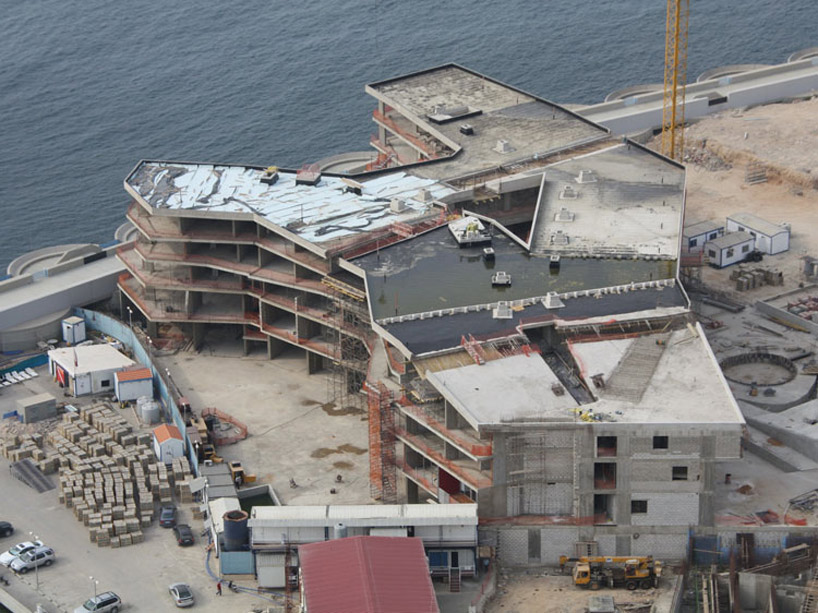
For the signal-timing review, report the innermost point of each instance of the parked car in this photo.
(182, 595)
(41, 556)
(167, 516)
(107, 602)
(6, 528)
(20, 548)
(184, 535)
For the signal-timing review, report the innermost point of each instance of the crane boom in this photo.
(673, 110)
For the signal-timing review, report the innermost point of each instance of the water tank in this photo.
(141, 401)
(339, 531)
(151, 413)
(235, 530)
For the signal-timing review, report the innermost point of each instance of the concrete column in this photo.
(198, 335)
(153, 329)
(707, 480)
(412, 491)
(315, 363)
(274, 347)
(381, 129)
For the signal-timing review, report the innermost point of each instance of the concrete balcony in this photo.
(424, 477)
(160, 253)
(433, 418)
(170, 311)
(157, 228)
(431, 447)
(315, 344)
(426, 149)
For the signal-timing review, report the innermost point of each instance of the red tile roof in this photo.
(367, 574)
(165, 432)
(136, 374)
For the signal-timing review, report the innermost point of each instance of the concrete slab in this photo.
(293, 431)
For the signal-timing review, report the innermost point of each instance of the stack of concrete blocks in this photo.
(16, 447)
(108, 475)
(180, 470)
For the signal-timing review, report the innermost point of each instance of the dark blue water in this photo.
(87, 88)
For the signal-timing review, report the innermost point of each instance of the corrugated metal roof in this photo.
(367, 574)
(166, 432)
(366, 515)
(757, 224)
(730, 240)
(702, 227)
(265, 559)
(137, 374)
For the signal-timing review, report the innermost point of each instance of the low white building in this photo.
(88, 369)
(769, 238)
(697, 234)
(729, 249)
(168, 443)
(133, 383)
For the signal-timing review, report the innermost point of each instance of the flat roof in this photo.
(420, 336)
(319, 213)
(686, 387)
(367, 574)
(630, 202)
(365, 515)
(730, 240)
(89, 358)
(431, 272)
(508, 389)
(530, 124)
(701, 227)
(753, 222)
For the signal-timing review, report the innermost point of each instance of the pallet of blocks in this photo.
(108, 475)
(181, 479)
(16, 447)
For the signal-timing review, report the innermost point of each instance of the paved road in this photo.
(140, 574)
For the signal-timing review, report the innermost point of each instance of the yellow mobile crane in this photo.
(633, 572)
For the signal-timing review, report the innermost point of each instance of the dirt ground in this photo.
(784, 139)
(548, 591)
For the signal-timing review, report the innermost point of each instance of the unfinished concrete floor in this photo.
(548, 591)
(293, 431)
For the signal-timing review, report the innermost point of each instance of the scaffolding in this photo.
(350, 325)
(383, 473)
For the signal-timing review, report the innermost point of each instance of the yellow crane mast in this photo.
(673, 107)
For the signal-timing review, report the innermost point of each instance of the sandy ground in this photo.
(547, 591)
(293, 431)
(782, 137)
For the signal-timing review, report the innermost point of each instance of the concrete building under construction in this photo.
(575, 403)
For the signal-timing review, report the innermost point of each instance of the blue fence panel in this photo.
(706, 550)
(10, 414)
(122, 332)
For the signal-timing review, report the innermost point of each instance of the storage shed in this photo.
(133, 383)
(729, 249)
(769, 238)
(87, 370)
(697, 234)
(73, 330)
(36, 408)
(168, 443)
(366, 574)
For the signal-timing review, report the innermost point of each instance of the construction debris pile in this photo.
(697, 154)
(806, 308)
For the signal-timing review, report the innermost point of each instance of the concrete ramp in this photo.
(27, 472)
(630, 378)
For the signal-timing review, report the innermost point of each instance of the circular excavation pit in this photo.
(759, 368)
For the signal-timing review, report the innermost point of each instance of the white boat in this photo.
(469, 231)
(488, 253)
(501, 278)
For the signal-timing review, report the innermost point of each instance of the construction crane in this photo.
(594, 572)
(673, 107)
